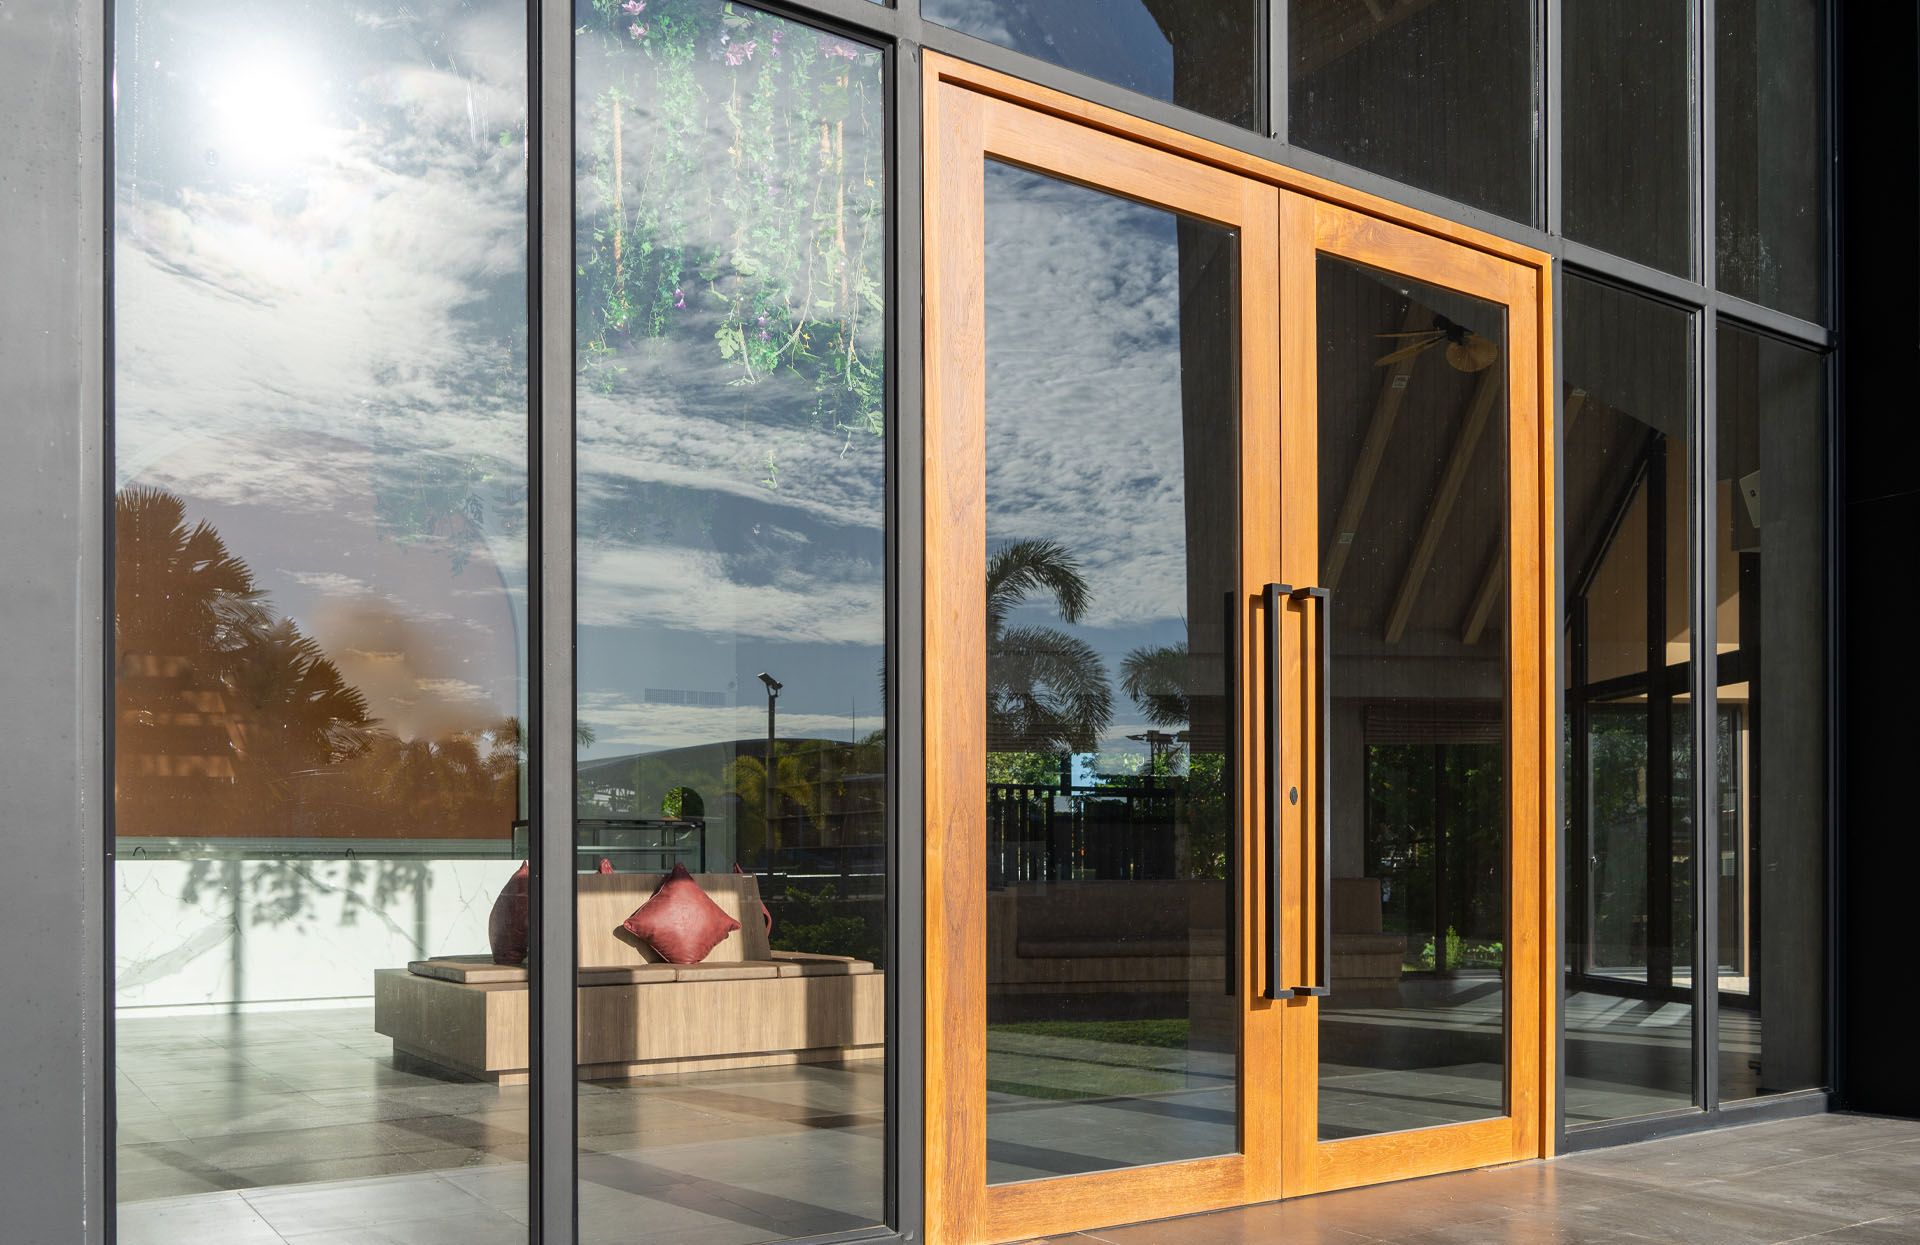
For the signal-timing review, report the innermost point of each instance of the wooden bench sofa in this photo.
(745, 1005)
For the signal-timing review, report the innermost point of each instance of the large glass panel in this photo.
(1438, 95)
(1200, 54)
(1770, 536)
(1627, 159)
(1625, 413)
(731, 269)
(1413, 521)
(1769, 115)
(320, 559)
(1112, 549)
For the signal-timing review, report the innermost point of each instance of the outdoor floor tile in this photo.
(1894, 1230)
(485, 1228)
(225, 1218)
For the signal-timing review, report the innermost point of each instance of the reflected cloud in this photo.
(1084, 381)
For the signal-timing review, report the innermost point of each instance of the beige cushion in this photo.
(824, 967)
(710, 971)
(606, 899)
(467, 969)
(631, 974)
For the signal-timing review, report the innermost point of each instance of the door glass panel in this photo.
(731, 240)
(1111, 549)
(320, 595)
(1630, 915)
(1413, 516)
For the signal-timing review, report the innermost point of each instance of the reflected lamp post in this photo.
(773, 686)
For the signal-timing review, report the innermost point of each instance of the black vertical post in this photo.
(1659, 862)
(1442, 863)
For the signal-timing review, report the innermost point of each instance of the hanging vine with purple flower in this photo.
(772, 239)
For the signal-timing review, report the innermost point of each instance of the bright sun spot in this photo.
(266, 113)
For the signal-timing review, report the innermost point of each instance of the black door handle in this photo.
(1322, 935)
(1275, 602)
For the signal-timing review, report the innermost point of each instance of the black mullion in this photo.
(1704, 685)
(1276, 14)
(1545, 149)
(1659, 851)
(1706, 217)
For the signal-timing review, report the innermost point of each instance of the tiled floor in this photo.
(297, 1126)
(1826, 1180)
(272, 1127)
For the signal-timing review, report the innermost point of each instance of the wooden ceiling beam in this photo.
(1386, 409)
(1481, 611)
(1452, 480)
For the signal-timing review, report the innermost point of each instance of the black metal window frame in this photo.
(900, 29)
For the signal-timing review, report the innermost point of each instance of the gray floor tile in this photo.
(222, 1217)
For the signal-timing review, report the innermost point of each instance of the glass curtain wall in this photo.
(1769, 118)
(1441, 95)
(731, 243)
(1205, 56)
(1769, 531)
(1626, 417)
(320, 592)
(1629, 165)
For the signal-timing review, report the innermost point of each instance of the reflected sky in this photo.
(320, 324)
(1201, 54)
(732, 459)
(1084, 429)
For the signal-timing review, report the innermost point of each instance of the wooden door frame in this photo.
(970, 114)
(964, 130)
(1309, 229)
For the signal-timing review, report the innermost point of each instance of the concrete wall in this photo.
(210, 934)
(52, 92)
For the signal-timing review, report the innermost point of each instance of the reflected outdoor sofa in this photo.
(745, 1005)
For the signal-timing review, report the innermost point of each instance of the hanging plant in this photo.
(774, 237)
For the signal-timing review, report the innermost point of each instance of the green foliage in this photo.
(1028, 769)
(1465, 953)
(770, 244)
(1158, 1034)
(819, 921)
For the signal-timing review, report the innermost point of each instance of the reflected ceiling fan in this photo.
(1467, 351)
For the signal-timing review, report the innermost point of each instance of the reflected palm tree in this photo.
(219, 704)
(1154, 677)
(1047, 691)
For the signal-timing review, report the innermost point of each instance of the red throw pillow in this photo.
(680, 922)
(507, 923)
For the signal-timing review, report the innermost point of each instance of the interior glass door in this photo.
(1100, 438)
(1413, 412)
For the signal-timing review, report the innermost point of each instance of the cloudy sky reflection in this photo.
(320, 324)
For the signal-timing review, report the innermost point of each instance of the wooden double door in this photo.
(1238, 753)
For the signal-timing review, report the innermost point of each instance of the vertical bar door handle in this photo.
(1230, 656)
(1323, 798)
(1275, 601)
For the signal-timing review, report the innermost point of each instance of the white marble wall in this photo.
(216, 933)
